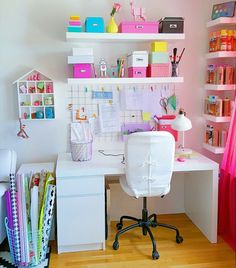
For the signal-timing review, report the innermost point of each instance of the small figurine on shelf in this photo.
(103, 68)
(22, 132)
(112, 26)
(137, 12)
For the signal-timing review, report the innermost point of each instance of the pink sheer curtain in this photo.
(227, 188)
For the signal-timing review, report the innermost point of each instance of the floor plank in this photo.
(135, 250)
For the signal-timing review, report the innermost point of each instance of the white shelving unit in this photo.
(229, 56)
(35, 97)
(120, 37)
(213, 149)
(119, 81)
(221, 54)
(214, 24)
(217, 119)
(220, 87)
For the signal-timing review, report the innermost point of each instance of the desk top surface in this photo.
(111, 165)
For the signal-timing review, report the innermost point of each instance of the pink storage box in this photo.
(164, 124)
(82, 70)
(158, 70)
(137, 72)
(75, 23)
(138, 27)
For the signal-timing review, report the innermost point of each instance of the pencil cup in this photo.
(174, 69)
(81, 151)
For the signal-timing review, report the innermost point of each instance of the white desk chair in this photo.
(7, 166)
(149, 160)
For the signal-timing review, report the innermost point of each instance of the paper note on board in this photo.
(151, 102)
(131, 99)
(109, 117)
(146, 116)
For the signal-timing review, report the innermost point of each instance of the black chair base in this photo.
(145, 223)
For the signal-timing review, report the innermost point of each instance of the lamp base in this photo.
(185, 152)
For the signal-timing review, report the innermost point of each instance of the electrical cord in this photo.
(123, 156)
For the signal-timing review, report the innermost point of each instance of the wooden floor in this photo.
(135, 250)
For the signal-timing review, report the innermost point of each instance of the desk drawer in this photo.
(75, 186)
(80, 220)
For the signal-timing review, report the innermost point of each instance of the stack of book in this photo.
(74, 24)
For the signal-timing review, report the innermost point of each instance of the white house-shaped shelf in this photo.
(35, 96)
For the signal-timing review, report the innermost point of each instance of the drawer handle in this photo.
(138, 72)
(95, 24)
(83, 71)
(139, 26)
(139, 59)
(173, 26)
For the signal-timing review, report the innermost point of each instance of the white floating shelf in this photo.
(220, 87)
(213, 149)
(217, 119)
(221, 22)
(221, 54)
(119, 81)
(121, 37)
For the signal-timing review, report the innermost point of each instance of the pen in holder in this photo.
(175, 62)
(174, 69)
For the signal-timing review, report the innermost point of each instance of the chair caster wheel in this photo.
(154, 224)
(119, 226)
(179, 239)
(115, 245)
(155, 255)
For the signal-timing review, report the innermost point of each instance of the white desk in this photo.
(80, 198)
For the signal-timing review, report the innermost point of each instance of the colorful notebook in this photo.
(47, 221)
(15, 218)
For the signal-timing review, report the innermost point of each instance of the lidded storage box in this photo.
(171, 25)
(159, 46)
(94, 25)
(158, 57)
(82, 70)
(137, 72)
(158, 70)
(138, 59)
(138, 27)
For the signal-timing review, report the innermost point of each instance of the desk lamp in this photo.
(181, 123)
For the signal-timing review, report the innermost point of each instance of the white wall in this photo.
(33, 36)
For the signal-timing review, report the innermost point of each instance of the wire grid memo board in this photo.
(80, 97)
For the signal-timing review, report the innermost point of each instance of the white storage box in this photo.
(80, 59)
(85, 51)
(138, 59)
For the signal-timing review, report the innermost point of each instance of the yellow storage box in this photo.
(159, 46)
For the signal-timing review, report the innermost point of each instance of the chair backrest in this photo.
(7, 163)
(149, 160)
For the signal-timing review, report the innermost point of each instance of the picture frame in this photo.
(226, 9)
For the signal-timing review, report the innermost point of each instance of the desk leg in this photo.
(201, 201)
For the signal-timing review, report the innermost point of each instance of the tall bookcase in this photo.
(221, 90)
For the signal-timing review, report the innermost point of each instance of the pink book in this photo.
(75, 23)
(20, 217)
(9, 209)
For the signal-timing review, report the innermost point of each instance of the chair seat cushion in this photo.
(131, 192)
(3, 187)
